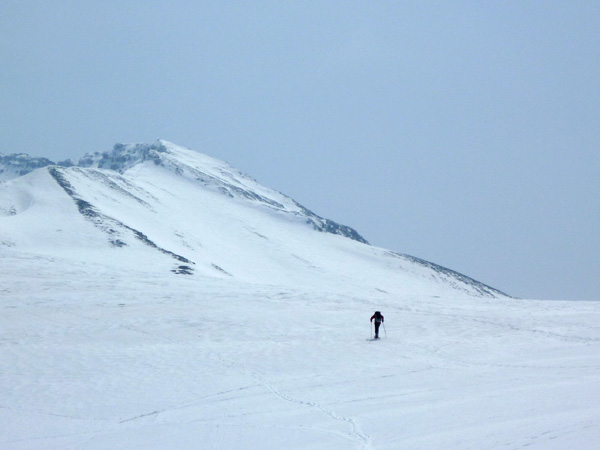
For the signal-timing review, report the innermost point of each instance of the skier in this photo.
(378, 321)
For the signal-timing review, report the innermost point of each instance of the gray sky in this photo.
(464, 133)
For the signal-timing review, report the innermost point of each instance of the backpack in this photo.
(378, 316)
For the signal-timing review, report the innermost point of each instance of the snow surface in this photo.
(94, 358)
(263, 341)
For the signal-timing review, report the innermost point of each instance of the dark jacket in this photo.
(378, 317)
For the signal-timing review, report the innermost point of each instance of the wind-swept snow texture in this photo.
(155, 298)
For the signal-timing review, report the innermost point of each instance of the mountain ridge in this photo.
(179, 210)
(125, 156)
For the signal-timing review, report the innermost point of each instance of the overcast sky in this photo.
(464, 133)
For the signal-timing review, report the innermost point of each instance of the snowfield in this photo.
(96, 359)
(263, 340)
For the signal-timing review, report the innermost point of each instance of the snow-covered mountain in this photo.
(155, 298)
(169, 208)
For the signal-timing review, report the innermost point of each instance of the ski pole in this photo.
(371, 330)
(383, 323)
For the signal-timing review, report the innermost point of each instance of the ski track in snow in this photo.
(356, 434)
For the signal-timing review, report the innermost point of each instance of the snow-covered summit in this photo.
(193, 165)
(124, 156)
(162, 207)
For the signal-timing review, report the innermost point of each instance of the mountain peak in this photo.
(123, 156)
(201, 169)
(173, 208)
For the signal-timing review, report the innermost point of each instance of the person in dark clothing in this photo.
(378, 317)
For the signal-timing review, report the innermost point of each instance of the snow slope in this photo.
(177, 210)
(97, 358)
(156, 298)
